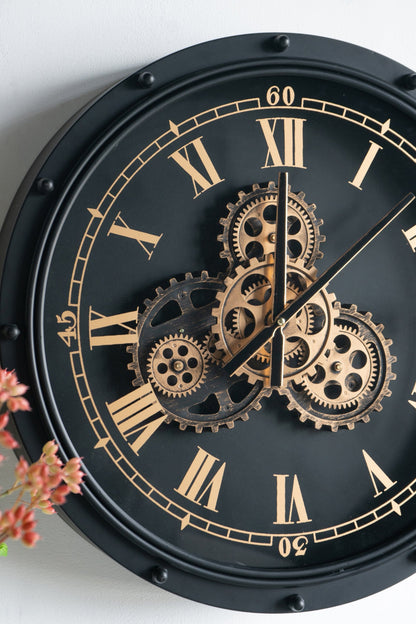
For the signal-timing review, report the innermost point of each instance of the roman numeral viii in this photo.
(137, 415)
(284, 138)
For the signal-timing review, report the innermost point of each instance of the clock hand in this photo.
(266, 334)
(279, 282)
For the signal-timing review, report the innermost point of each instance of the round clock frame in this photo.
(28, 237)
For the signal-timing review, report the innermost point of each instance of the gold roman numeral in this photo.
(284, 138)
(377, 475)
(365, 165)
(131, 412)
(413, 403)
(202, 173)
(201, 482)
(146, 241)
(117, 329)
(296, 502)
(410, 236)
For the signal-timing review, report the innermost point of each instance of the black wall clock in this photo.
(176, 292)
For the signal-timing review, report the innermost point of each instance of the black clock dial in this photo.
(157, 266)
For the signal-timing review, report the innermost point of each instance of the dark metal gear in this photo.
(350, 379)
(184, 311)
(249, 230)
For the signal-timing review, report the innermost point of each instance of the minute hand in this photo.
(247, 352)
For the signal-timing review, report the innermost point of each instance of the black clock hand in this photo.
(266, 334)
(279, 281)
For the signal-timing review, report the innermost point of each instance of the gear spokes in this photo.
(244, 309)
(249, 229)
(349, 379)
(176, 354)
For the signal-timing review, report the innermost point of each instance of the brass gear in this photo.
(177, 365)
(183, 310)
(349, 379)
(244, 309)
(249, 229)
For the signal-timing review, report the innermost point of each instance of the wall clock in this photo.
(208, 283)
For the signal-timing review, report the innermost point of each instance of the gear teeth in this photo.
(173, 281)
(376, 378)
(230, 424)
(188, 275)
(235, 239)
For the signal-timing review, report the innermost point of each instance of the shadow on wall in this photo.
(24, 135)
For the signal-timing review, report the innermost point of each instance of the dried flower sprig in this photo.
(39, 486)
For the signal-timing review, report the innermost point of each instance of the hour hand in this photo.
(279, 281)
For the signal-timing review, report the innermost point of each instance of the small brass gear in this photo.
(249, 229)
(183, 312)
(177, 365)
(245, 306)
(350, 379)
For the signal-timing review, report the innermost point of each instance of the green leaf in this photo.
(3, 550)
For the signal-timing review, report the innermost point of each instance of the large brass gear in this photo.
(244, 308)
(249, 230)
(350, 378)
(177, 365)
(183, 311)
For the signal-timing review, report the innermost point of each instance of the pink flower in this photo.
(30, 538)
(7, 440)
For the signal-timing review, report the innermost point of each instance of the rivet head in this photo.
(44, 186)
(145, 80)
(159, 575)
(281, 43)
(281, 321)
(408, 82)
(296, 603)
(9, 332)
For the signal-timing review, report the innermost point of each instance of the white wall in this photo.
(55, 55)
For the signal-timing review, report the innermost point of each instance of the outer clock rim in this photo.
(315, 576)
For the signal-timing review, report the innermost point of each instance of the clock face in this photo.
(156, 267)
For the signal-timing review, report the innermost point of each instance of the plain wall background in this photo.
(55, 55)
